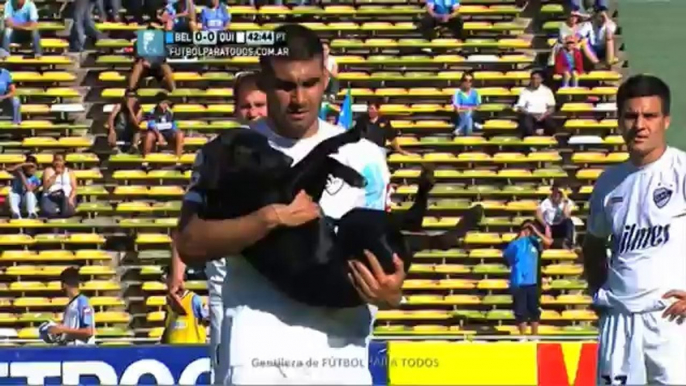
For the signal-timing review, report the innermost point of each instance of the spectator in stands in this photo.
(186, 318)
(465, 102)
(179, 15)
(522, 255)
(250, 101)
(441, 13)
(555, 214)
(216, 17)
(378, 129)
(21, 24)
(123, 124)
(78, 326)
(82, 26)
(114, 7)
(141, 8)
(602, 37)
(8, 96)
(578, 5)
(250, 106)
(332, 117)
(569, 63)
(24, 187)
(59, 189)
(332, 86)
(580, 32)
(535, 106)
(162, 129)
(155, 66)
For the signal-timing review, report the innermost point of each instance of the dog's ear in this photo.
(329, 146)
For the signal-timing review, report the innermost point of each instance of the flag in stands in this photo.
(345, 120)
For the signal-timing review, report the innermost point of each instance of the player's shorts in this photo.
(640, 348)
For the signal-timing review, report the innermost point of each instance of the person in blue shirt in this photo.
(178, 15)
(78, 322)
(21, 23)
(465, 101)
(522, 255)
(441, 13)
(8, 98)
(162, 129)
(216, 17)
(24, 187)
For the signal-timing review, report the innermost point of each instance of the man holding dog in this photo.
(270, 332)
(250, 105)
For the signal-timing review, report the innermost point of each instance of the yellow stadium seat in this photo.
(152, 238)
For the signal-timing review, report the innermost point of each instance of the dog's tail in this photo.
(413, 219)
(449, 239)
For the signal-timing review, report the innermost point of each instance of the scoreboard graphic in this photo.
(209, 44)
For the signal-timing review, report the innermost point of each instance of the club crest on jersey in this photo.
(333, 185)
(661, 197)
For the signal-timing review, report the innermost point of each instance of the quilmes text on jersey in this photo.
(635, 238)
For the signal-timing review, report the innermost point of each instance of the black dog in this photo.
(309, 262)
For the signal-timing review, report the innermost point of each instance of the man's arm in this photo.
(455, 10)
(198, 241)
(49, 177)
(595, 261)
(567, 209)
(545, 237)
(539, 214)
(33, 19)
(8, 14)
(521, 102)
(178, 269)
(430, 8)
(594, 248)
(74, 186)
(86, 321)
(11, 90)
(550, 104)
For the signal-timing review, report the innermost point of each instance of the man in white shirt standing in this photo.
(555, 213)
(535, 106)
(274, 339)
(250, 105)
(602, 37)
(640, 205)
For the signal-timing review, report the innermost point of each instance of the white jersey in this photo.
(269, 329)
(643, 210)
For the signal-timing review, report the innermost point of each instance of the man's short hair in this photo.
(538, 72)
(640, 86)
(374, 102)
(301, 43)
(70, 277)
(31, 159)
(243, 79)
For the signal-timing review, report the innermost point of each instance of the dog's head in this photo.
(241, 156)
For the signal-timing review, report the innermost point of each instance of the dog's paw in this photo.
(427, 179)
